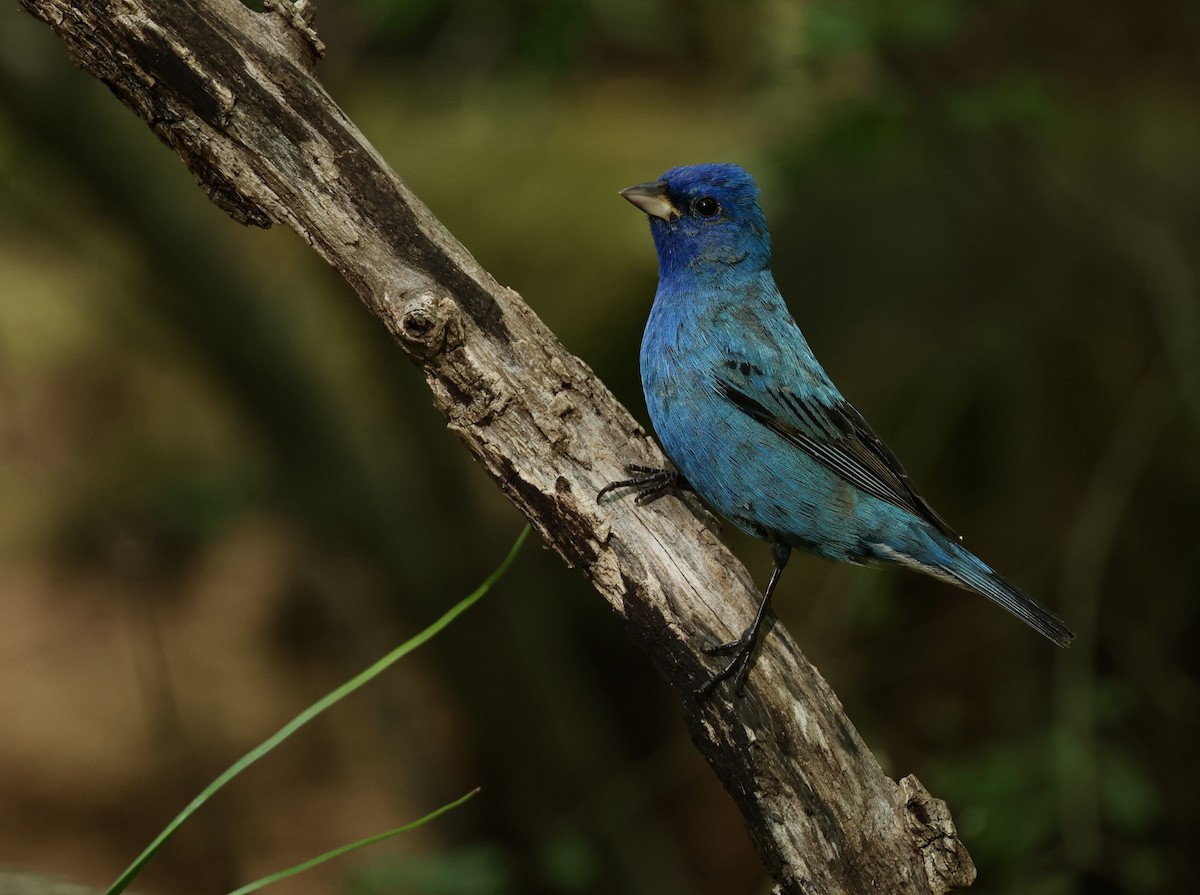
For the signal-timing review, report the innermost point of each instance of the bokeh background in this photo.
(223, 491)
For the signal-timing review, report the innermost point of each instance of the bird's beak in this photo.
(652, 199)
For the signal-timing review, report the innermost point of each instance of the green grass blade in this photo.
(346, 849)
(311, 712)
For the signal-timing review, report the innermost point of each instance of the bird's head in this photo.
(705, 219)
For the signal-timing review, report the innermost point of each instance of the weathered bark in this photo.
(231, 91)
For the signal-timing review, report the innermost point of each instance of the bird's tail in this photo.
(968, 571)
(935, 554)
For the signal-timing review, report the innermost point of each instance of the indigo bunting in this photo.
(755, 426)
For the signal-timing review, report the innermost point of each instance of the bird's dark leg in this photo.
(743, 649)
(650, 481)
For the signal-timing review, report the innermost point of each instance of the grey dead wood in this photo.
(232, 92)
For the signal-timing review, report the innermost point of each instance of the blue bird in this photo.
(753, 423)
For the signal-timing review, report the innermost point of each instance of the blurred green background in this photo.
(224, 490)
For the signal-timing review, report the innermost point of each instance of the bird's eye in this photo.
(706, 206)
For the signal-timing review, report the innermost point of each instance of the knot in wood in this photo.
(428, 323)
(932, 831)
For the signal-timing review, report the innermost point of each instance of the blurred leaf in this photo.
(405, 15)
(555, 34)
(927, 22)
(835, 27)
(1116, 700)
(569, 863)
(1017, 98)
(479, 870)
(1143, 870)
(1008, 805)
(860, 132)
(1130, 800)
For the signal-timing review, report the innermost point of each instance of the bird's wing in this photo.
(830, 430)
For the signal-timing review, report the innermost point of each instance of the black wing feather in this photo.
(839, 439)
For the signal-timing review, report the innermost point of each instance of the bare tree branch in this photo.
(231, 91)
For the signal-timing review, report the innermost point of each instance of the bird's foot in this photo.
(726, 649)
(650, 481)
(737, 668)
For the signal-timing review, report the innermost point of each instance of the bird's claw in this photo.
(737, 668)
(651, 483)
(725, 649)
